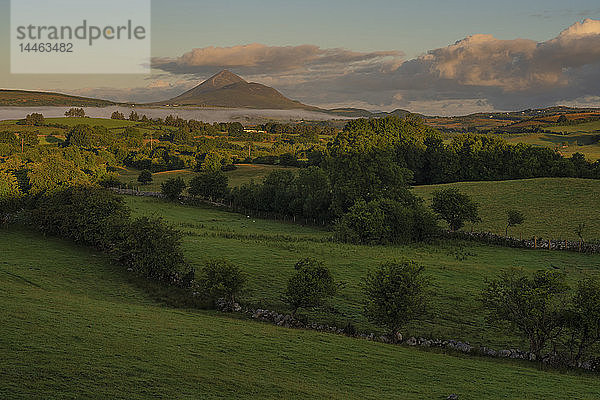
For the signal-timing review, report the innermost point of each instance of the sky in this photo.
(433, 57)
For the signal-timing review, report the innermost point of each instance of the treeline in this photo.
(98, 218)
(409, 144)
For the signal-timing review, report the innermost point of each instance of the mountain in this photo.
(24, 98)
(226, 89)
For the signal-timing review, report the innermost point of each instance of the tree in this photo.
(134, 116)
(386, 221)
(562, 119)
(310, 286)
(34, 119)
(10, 193)
(220, 279)
(117, 115)
(172, 188)
(395, 294)
(145, 177)
(455, 208)
(583, 319)
(81, 136)
(514, 218)
(75, 112)
(212, 162)
(29, 139)
(211, 185)
(533, 305)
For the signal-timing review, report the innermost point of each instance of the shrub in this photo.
(152, 248)
(145, 177)
(533, 305)
(514, 218)
(583, 320)
(87, 215)
(211, 185)
(80, 135)
(172, 188)
(221, 280)
(385, 221)
(395, 294)
(310, 286)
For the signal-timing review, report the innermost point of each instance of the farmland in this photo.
(74, 324)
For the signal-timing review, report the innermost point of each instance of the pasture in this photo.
(73, 326)
(553, 207)
(267, 251)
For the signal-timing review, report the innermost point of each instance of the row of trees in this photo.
(410, 144)
(98, 218)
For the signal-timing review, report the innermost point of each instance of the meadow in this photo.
(267, 251)
(245, 173)
(553, 207)
(75, 326)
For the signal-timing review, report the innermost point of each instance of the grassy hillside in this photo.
(244, 173)
(577, 141)
(553, 207)
(24, 98)
(267, 251)
(72, 327)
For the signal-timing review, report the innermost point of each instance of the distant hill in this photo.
(226, 89)
(24, 98)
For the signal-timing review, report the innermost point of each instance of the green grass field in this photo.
(553, 207)
(108, 123)
(267, 251)
(577, 141)
(73, 327)
(244, 173)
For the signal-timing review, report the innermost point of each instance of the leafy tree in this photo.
(29, 139)
(514, 218)
(10, 193)
(55, 171)
(152, 248)
(583, 319)
(455, 208)
(34, 119)
(145, 177)
(310, 286)
(211, 185)
(80, 135)
(220, 279)
(134, 116)
(395, 294)
(386, 221)
(313, 194)
(172, 188)
(212, 162)
(533, 305)
(182, 136)
(117, 115)
(75, 112)
(235, 129)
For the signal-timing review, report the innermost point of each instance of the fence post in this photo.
(535, 242)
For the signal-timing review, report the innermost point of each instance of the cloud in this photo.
(255, 58)
(477, 73)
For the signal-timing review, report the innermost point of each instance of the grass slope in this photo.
(25, 98)
(553, 207)
(267, 251)
(72, 327)
(245, 173)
